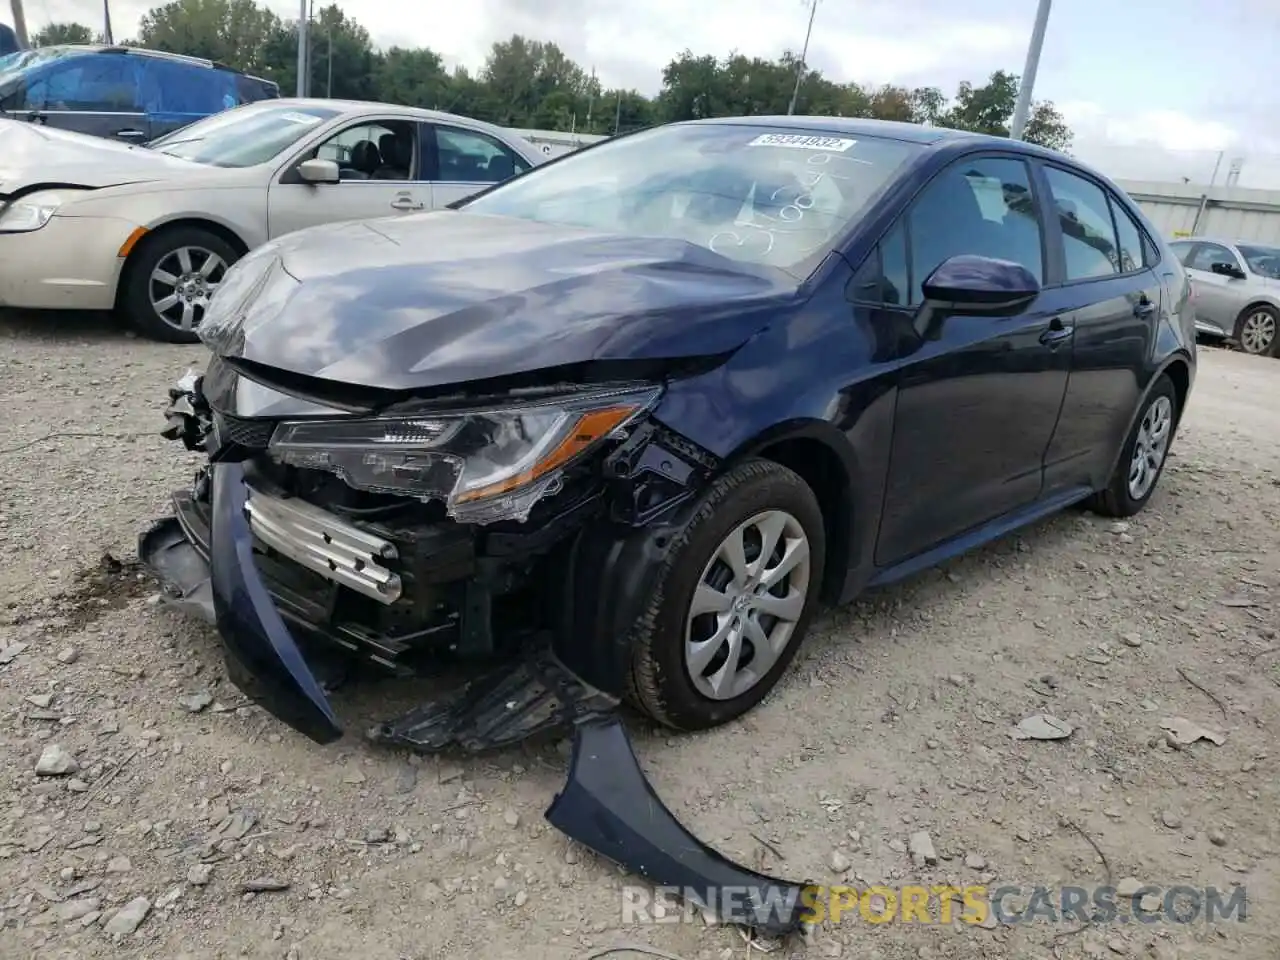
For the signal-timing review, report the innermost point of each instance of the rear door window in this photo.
(176, 88)
(1128, 238)
(467, 156)
(1088, 233)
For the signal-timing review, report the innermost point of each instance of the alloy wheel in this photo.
(182, 283)
(1150, 447)
(1258, 332)
(747, 604)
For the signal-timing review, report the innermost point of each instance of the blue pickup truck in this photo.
(127, 93)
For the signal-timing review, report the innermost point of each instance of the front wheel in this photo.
(1257, 329)
(1142, 460)
(171, 279)
(733, 601)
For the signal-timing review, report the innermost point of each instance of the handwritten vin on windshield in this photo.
(792, 202)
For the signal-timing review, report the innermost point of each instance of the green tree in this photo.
(989, 109)
(234, 32)
(59, 33)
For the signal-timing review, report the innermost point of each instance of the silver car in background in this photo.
(91, 224)
(1236, 286)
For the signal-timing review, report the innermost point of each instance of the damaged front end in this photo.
(526, 531)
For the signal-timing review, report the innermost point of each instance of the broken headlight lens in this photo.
(486, 465)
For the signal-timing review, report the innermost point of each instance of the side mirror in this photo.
(319, 171)
(970, 284)
(1223, 269)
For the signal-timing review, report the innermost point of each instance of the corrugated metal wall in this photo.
(1233, 213)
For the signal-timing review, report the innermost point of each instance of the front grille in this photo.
(244, 432)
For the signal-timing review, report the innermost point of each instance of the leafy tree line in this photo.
(531, 83)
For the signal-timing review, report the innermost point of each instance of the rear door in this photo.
(96, 93)
(372, 185)
(464, 162)
(1116, 300)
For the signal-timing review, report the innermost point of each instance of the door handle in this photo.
(1058, 331)
(131, 134)
(1144, 308)
(406, 203)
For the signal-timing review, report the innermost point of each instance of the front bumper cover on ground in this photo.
(607, 803)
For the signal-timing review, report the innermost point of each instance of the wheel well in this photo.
(1180, 374)
(820, 467)
(217, 229)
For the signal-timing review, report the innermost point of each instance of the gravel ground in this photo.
(173, 795)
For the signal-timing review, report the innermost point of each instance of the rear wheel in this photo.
(171, 279)
(734, 599)
(1143, 458)
(1256, 331)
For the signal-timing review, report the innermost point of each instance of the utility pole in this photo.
(1028, 81)
(106, 23)
(804, 55)
(328, 85)
(303, 57)
(20, 24)
(617, 114)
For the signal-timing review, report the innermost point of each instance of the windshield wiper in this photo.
(176, 143)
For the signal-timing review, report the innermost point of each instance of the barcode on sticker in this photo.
(801, 141)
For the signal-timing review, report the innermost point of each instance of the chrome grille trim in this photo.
(325, 544)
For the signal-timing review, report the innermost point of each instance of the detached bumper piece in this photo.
(499, 710)
(607, 804)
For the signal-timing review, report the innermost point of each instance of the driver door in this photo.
(976, 407)
(381, 163)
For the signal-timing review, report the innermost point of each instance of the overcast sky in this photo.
(1151, 89)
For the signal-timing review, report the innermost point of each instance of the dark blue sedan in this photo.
(649, 404)
(623, 422)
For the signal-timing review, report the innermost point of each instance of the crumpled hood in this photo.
(31, 153)
(449, 297)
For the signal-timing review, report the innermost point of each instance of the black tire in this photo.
(1269, 349)
(1116, 499)
(136, 301)
(660, 684)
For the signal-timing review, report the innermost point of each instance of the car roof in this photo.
(365, 106)
(927, 136)
(153, 54)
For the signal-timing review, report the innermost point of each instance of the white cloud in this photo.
(1142, 133)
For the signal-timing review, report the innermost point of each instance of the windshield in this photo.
(772, 196)
(243, 137)
(1264, 261)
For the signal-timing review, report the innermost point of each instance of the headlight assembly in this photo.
(486, 465)
(30, 212)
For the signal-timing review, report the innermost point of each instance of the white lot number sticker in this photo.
(799, 141)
